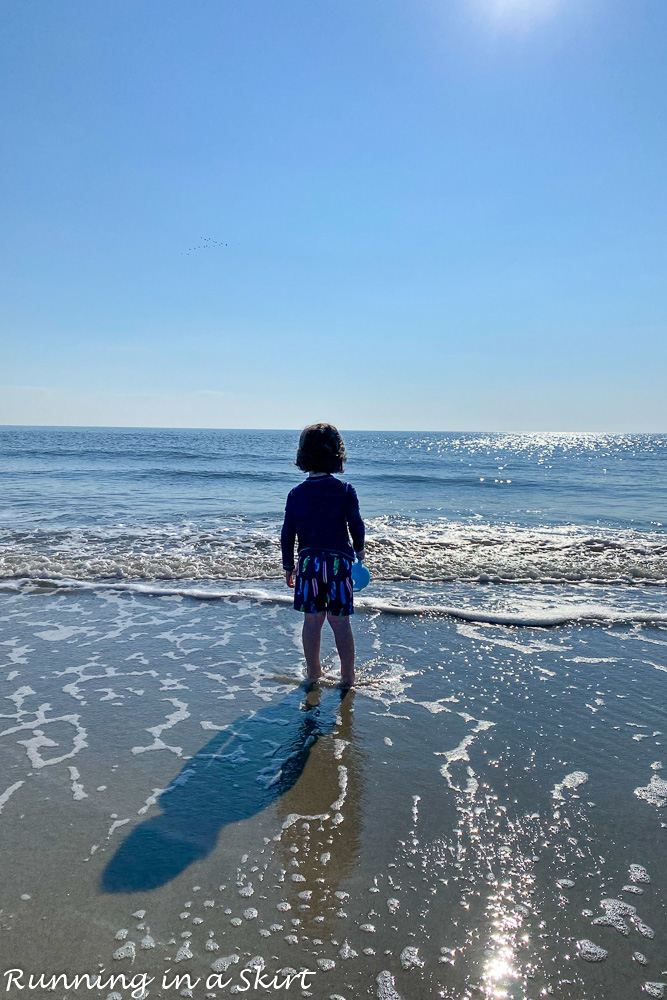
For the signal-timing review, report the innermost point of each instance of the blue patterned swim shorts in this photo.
(324, 583)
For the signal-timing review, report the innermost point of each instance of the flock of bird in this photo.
(207, 244)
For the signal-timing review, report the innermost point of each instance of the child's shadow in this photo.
(243, 769)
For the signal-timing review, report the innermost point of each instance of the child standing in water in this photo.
(323, 512)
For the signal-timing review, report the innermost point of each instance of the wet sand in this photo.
(480, 818)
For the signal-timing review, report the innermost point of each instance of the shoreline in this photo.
(569, 611)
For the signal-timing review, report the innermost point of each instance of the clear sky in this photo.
(429, 214)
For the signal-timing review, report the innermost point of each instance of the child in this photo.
(319, 512)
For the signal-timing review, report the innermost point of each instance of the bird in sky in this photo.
(208, 243)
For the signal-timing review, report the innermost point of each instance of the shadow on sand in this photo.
(244, 768)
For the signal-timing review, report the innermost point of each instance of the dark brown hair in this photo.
(321, 449)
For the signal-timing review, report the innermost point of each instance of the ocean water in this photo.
(542, 521)
(483, 817)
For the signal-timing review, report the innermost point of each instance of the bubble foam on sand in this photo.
(128, 950)
(223, 963)
(569, 782)
(409, 958)
(385, 987)
(638, 873)
(615, 910)
(77, 788)
(590, 952)
(655, 793)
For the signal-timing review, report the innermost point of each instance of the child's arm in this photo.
(355, 524)
(287, 539)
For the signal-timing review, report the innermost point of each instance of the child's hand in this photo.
(290, 578)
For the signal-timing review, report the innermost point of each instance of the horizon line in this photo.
(297, 430)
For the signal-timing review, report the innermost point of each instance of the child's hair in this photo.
(321, 449)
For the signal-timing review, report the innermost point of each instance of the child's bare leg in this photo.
(342, 630)
(311, 635)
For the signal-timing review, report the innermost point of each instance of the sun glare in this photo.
(519, 10)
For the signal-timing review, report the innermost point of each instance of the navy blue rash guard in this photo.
(319, 512)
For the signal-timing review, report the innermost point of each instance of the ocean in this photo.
(484, 816)
(540, 519)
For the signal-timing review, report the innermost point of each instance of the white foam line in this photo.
(293, 818)
(658, 666)
(492, 638)
(342, 782)
(7, 794)
(150, 801)
(173, 719)
(16, 655)
(39, 740)
(114, 826)
(155, 590)
(546, 619)
(460, 752)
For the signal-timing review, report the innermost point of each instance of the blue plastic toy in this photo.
(360, 575)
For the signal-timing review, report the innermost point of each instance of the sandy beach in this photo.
(480, 818)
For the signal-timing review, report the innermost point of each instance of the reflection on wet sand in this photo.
(321, 819)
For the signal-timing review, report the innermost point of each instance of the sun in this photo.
(519, 10)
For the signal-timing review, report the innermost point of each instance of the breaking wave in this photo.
(398, 549)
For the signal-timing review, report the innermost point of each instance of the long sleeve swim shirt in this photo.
(323, 513)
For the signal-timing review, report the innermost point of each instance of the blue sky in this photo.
(433, 215)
